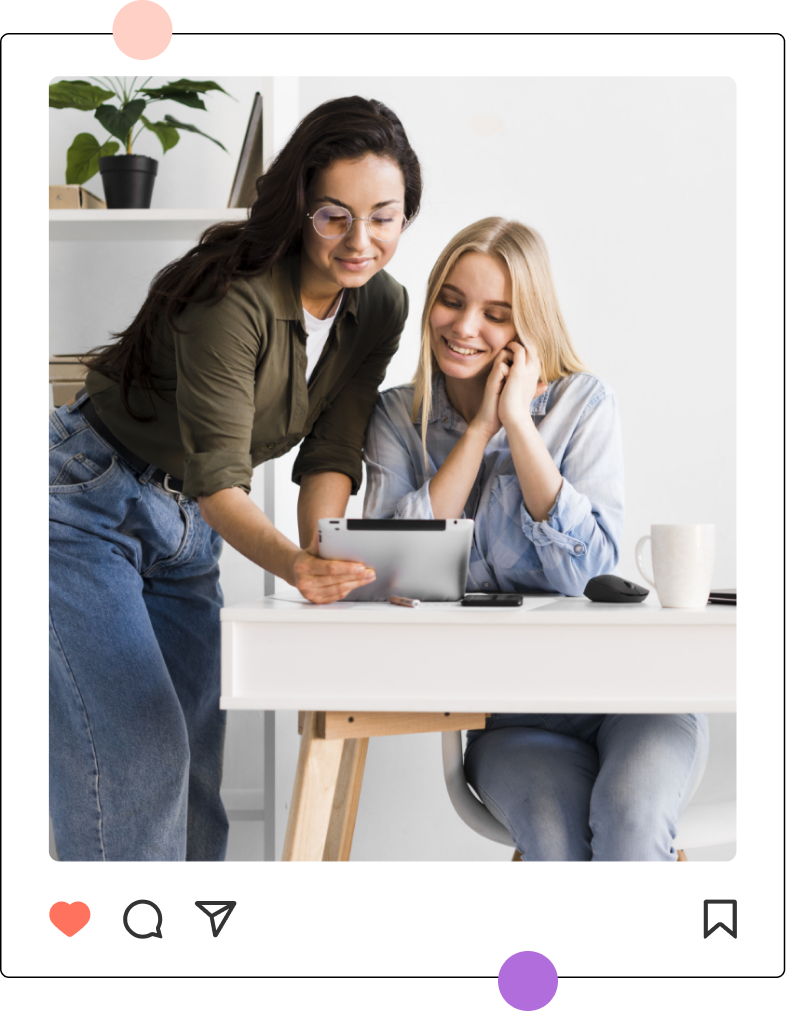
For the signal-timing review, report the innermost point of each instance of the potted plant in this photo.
(128, 178)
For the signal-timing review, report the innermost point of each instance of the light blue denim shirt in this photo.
(578, 420)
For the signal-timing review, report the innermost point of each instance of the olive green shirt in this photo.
(233, 387)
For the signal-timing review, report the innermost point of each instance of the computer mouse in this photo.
(614, 590)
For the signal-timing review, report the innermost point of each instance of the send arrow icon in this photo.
(219, 913)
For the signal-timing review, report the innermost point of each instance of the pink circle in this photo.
(142, 30)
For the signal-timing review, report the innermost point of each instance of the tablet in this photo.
(425, 559)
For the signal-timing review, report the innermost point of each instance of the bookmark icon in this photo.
(219, 913)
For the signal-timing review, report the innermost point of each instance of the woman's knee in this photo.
(650, 767)
(538, 787)
(641, 830)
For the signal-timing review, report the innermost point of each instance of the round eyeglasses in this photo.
(334, 222)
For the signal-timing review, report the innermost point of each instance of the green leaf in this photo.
(191, 129)
(76, 95)
(119, 121)
(82, 157)
(189, 98)
(185, 85)
(168, 135)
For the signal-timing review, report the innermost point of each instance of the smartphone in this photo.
(493, 600)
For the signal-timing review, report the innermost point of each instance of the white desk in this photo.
(551, 655)
(361, 670)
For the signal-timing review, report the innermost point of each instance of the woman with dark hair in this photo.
(269, 332)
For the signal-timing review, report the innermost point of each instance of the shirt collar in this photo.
(286, 292)
(443, 410)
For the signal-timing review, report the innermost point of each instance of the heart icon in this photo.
(69, 917)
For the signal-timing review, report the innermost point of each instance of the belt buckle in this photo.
(171, 491)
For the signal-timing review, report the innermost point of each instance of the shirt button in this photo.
(445, 420)
(270, 445)
(487, 585)
(579, 549)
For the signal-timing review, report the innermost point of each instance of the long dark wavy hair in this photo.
(339, 129)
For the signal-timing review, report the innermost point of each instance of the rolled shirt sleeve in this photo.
(217, 354)
(335, 443)
(580, 538)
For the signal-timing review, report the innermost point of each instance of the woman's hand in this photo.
(521, 384)
(232, 514)
(323, 580)
(487, 421)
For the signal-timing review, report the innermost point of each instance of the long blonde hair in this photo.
(536, 313)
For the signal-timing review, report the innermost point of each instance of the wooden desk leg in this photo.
(310, 812)
(345, 801)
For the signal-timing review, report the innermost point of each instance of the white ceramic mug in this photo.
(683, 559)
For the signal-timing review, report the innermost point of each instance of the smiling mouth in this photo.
(466, 352)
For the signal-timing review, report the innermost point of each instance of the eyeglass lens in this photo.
(333, 222)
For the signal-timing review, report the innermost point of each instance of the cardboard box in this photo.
(66, 372)
(73, 198)
(66, 368)
(66, 377)
(63, 392)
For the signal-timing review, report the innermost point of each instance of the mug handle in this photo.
(639, 551)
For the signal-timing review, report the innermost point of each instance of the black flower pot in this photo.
(128, 179)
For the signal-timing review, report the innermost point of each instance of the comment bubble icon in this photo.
(145, 921)
(528, 981)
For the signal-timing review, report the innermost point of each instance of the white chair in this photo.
(700, 825)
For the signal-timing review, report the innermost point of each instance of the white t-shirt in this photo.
(317, 330)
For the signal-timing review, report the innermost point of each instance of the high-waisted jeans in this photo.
(589, 787)
(136, 733)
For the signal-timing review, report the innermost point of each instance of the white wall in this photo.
(631, 183)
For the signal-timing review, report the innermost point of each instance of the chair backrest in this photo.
(467, 805)
(707, 825)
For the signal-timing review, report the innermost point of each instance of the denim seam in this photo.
(64, 433)
(80, 458)
(693, 766)
(71, 489)
(180, 554)
(503, 820)
(89, 734)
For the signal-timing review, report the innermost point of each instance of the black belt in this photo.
(91, 416)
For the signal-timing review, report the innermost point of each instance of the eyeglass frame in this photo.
(351, 223)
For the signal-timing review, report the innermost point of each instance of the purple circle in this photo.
(527, 980)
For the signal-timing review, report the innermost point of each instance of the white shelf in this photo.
(142, 225)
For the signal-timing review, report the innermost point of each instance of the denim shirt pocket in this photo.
(508, 544)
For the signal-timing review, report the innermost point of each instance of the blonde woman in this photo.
(504, 425)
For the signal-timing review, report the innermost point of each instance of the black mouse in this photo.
(614, 590)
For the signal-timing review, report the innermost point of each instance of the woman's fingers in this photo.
(309, 563)
(323, 580)
(311, 571)
(319, 592)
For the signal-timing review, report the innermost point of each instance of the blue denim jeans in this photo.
(589, 787)
(135, 730)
